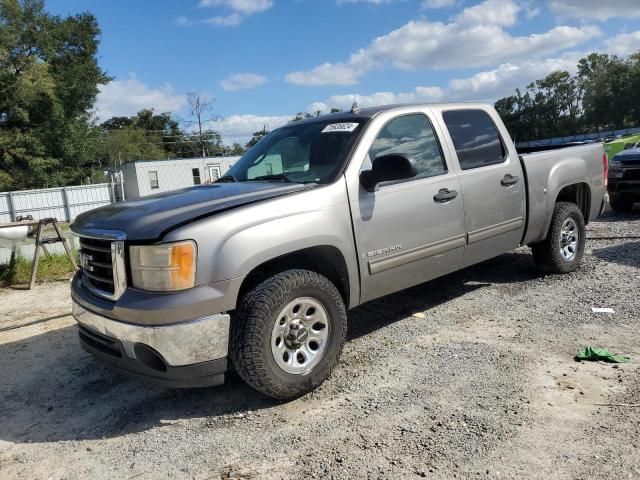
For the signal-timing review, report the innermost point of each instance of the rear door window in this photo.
(475, 138)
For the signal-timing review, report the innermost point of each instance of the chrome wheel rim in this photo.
(300, 336)
(569, 239)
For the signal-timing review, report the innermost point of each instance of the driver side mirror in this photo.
(388, 168)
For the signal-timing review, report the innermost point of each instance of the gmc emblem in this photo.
(85, 260)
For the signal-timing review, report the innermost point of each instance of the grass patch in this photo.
(50, 268)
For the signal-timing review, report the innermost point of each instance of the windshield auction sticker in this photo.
(340, 127)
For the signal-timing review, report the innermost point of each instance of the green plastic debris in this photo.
(596, 354)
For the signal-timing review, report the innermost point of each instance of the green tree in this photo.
(606, 82)
(49, 78)
(603, 95)
(300, 116)
(257, 136)
(236, 150)
(131, 143)
(634, 88)
(161, 130)
(148, 136)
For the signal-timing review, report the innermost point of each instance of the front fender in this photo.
(232, 244)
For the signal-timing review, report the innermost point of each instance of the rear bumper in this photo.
(187, 354)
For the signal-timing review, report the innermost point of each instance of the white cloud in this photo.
(475, 38)
(425, 3)
(597, 9)
(242, 81)
(491, 12)
(325, 74)
(624, 44)
(246, 7)
(438, 3)
(344, 102)
(486, 86)
(128, 97)
(503, 80)
(240, 128)
(231, 20)
(234, 12)
(373, 2)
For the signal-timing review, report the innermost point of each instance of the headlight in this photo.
(164, 268)
(615, 169)
(615, 165)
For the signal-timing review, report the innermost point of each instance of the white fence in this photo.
(63, 203)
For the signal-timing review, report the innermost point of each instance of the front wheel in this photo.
(562, 250)
(287, 333)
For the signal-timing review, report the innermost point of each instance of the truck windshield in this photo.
(306, 153)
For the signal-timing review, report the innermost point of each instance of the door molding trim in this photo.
(418, 253)
(495, 230)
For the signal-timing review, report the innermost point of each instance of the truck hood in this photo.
(629, 157)
(149, 218)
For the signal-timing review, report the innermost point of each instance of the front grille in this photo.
(632, 174)
(97, 265)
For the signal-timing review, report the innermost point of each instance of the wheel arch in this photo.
(578, 193)
(326, 260)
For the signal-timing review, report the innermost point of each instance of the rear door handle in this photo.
(445, 195)
(509, 180)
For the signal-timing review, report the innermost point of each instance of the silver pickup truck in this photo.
(260, 268)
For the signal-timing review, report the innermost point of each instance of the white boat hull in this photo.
(14, 233)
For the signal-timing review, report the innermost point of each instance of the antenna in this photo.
(354, 107)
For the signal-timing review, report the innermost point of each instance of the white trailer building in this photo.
(144, 178)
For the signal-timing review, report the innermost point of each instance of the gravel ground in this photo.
(468, 376)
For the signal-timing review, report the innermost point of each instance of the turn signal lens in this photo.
(164, 268)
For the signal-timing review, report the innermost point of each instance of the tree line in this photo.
(603, 95)
(49, 80)
(50, 77)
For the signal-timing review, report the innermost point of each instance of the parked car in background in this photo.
(319, 217)
(624, 180)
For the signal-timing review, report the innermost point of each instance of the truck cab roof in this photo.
(371, 112)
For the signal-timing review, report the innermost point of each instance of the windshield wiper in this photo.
(277, 176)
(226, 178)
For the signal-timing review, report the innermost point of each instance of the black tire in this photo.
(621, 203)
(253, 323)
(548, 254)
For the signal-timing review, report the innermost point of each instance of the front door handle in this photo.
(445, 195)
(509, 180)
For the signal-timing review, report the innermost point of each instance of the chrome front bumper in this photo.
(181, 344)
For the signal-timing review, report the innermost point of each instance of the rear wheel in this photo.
(562, 250)
(288, 333)
(621, 203)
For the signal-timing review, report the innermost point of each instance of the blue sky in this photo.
(265, 60)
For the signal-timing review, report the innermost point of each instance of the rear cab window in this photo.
(475, 138)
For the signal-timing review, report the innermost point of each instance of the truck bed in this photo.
(548, 172)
